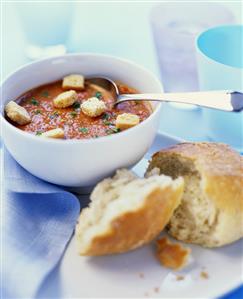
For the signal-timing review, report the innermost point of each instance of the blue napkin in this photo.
(38, 220)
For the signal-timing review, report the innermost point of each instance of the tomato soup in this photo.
(76, 125)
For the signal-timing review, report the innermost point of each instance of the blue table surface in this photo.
(184, 123)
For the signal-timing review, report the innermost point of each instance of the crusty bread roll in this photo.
(211, 210)
(126, 212)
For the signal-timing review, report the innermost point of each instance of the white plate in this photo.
(139, 274)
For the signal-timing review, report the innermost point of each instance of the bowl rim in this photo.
(88, 140)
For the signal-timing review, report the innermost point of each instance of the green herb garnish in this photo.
(98, 95)
(112, 131)
(76, 105)
(73, 114)
(83, 130)
(106, 116)
(38, 133)
(116, 130)
(34, 102)
(45, 93)
(108, 123)
(38, 111)
(55, 114)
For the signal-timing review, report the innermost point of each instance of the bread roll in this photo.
(211, 210)
(126, 212)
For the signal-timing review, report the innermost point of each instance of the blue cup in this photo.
(220, 66)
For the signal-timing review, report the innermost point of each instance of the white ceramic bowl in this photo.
(78, 163)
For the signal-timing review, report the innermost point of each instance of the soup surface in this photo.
(44, 116)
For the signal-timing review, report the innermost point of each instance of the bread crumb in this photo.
(126, 120)
(141, 275)
(156, 290)
(179, 277)
(204, 275)
(170, 255)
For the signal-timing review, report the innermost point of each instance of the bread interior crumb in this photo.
(196, 216)
(124, 192)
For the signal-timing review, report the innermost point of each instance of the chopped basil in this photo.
(38, 133)
(108, 132)
(98, 95)
(76, 105)
(38, 111)
(73, 114)
(45, 93)
(83, 130)
(108, 123)
(106, 116)
(112, 131)
(116, 130)
(55, 114)
(34, 102)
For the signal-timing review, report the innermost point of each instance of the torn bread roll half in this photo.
(211, 210)
(126, 212)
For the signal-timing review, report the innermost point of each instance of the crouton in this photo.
(17, 113)
(73, 81)
(126, 120)
(55, 133)
(65, 99)
(93, 107)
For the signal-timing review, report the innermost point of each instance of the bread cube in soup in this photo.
(126, 120)
(65, 99)
(55, 133)
(74, 81)
(93, 107)
(17, 113)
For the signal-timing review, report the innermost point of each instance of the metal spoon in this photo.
(226, 100)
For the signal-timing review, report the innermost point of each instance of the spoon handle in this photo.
(226, 100)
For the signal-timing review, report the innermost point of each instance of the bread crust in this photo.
(137, 227)
(221, 171)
